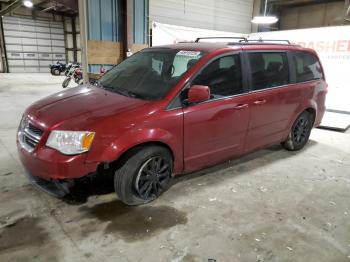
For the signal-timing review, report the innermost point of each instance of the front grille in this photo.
(29, 135)
(35, 130)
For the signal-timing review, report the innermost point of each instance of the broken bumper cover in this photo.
(49, 164)
(54, 188)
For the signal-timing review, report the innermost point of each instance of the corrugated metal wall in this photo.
(68, 28)
(222, 15)
(318, 15)
(104, 23)
(141, 21)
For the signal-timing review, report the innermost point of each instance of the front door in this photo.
(215, 130)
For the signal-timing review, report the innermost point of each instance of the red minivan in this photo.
(171, 110)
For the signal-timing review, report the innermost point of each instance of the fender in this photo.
(117, 146)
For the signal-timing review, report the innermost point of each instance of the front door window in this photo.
(223, 76)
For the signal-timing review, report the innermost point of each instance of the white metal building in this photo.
(221, 15)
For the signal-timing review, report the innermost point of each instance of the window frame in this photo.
(249, 71)
(293, 56)
(177, 102)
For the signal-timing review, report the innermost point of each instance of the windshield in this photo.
(151, 73)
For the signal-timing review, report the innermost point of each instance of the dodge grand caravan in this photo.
(170, 110)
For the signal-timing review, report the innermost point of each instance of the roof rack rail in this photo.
(260, 40)
(240, 38)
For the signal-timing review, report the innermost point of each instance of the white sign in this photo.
(164, 34)
(332, 45)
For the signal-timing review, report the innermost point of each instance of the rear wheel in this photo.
(78, 80)
(143, 174)
(57, 72)
(300, 132)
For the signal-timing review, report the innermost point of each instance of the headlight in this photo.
(70, 142)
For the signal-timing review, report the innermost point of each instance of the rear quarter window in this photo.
(307, 67)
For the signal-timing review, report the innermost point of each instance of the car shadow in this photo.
(243, 163)
(100, 184)
(104, 183)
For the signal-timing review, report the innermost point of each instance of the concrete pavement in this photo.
(272, 205)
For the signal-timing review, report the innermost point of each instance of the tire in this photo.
(300, 132)
(66, 82)
(57, 72)
(78, 81)
(136, 182)
(52, 71)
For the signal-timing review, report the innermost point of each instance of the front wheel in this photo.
(66, 82)
(143, 174)
(300, 132)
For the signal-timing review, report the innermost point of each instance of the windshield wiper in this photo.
(120, 91)
(126, 92)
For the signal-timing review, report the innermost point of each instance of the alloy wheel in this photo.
(301, 130)
(152, 177)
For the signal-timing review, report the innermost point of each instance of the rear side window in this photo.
(268, 69)
(307, 67)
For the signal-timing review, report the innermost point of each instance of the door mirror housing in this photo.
(198, 93)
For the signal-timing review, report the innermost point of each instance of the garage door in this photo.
(32, 45)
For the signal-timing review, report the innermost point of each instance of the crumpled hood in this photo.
(88, 102)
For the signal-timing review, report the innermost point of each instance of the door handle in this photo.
(260, 102)
(241, 106)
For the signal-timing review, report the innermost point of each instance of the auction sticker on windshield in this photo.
(188, 53)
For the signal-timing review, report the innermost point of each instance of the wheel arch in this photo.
(111, 148)
(312, 111)
(309, 107)
(145, 144)
(122, 156)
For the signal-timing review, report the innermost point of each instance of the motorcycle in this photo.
(57, 69)
(75, 73)
(69, 66)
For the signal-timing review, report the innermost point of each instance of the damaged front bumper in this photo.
(55, 188)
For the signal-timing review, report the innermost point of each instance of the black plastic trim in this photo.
(54, 188)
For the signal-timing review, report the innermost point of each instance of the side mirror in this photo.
(198, 93)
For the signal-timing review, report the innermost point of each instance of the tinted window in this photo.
(268, 69)
(151, 73)
(223, 76)
(307, 67)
